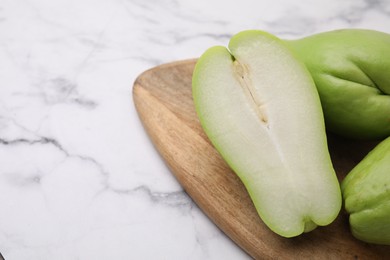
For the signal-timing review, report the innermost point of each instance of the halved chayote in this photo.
(260, 108)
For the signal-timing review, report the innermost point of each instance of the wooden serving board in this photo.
(164, 102)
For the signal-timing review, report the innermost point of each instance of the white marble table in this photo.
(79, 178)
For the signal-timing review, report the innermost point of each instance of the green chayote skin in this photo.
(366, 192)
(351, 69)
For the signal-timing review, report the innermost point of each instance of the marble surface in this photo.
(79, 178)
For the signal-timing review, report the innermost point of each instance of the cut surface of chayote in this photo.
(260, 108)
(351, 69)
(366, 192)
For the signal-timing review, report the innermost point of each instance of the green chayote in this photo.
(366, 192)
(351, 69)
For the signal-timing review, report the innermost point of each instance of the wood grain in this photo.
(164, 103)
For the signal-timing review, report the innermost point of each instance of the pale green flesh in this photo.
(260, 109)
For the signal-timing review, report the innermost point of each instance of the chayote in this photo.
(351, 69)
(366, 193)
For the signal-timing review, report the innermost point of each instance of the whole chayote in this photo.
(366, 192)
(351, 69)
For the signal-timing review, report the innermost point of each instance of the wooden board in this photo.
(164, 102)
